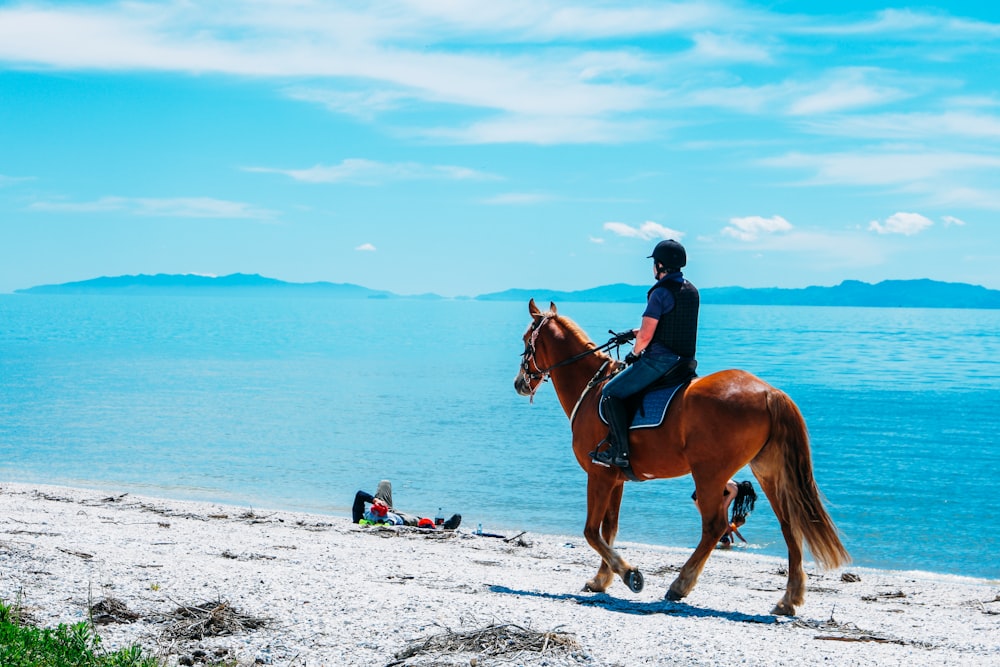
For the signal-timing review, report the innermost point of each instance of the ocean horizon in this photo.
(914, 293)
(297, 403)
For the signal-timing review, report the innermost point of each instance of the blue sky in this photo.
(469, 147)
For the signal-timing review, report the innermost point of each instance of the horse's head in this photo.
(534, 362)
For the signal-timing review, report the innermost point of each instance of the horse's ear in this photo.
(533, 309)
(552, 307)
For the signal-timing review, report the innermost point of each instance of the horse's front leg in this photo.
(609, 529)
(604, 498)
(601, 580)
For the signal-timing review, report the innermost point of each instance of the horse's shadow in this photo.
(619, 605)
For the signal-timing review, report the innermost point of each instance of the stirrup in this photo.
(607, 459)
(597, 456)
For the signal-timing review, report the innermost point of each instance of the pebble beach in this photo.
(203, 583)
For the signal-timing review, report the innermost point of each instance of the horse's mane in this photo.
(573, 329)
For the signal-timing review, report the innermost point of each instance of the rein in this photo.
(542, 374)
(598, 377)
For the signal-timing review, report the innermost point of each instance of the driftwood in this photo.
(844, 632)
(888, 595)
(210, 619)
(494, 640)
(111, 610)
(79, 554)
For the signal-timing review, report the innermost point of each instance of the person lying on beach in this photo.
(382, 512)
(741, 497)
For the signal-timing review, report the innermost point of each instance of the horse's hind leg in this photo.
(713, 526)
(795, 588)
(604, 497)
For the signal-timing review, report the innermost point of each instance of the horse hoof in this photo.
(634, 580)
(672, 596)
(782, 609)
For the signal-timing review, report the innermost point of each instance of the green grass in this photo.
(74, 645)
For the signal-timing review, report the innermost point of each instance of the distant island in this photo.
(236, 284)
(922, 293)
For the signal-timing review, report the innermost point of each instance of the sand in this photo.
(302, 589)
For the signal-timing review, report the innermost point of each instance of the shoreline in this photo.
(332, 512)
(333, 593)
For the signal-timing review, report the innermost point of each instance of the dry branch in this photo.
(211, 619)
(493, 640)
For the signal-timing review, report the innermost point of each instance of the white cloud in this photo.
(906, 224)
(546, 130)
(972, 102)
(369, 172)
(965, 196)
(102, 204)
(952, 220)
(646, 231)
(180, 207)
(750, 228)
(366, 247)
(714, 46)
(596, 239)
(910, 21)
(825, 250)
(366, 104)
(368, 46)
(548, 72)
(824, 91)
(917, 125)
(882, 168)
(841, 96)
(556, 20)
(11, 180)
(742, 98)
(790, 98)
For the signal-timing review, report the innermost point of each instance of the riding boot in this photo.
(617, 452)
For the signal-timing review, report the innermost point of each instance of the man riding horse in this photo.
(665, 340)
(714, 426)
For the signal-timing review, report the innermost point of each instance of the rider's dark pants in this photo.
(646, 370)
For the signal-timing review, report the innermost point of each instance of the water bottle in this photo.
(439, 517)
(479, 529)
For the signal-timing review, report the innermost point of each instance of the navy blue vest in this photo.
(678, 329)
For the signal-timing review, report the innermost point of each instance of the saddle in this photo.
(649, 407)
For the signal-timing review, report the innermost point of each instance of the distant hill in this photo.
(236, 284)
(617, 293)
(921, 293)
(886, 294)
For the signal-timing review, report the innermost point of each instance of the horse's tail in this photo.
(796, 489)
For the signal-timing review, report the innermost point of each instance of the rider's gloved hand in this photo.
(631, 358)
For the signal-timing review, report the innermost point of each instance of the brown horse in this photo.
(714, 427)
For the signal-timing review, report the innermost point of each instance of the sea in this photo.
(296, 403)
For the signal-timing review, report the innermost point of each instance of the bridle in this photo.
(540, 375)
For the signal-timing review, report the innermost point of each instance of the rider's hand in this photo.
(624, 337)
(631, 358)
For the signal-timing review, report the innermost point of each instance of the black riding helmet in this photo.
(670, 254)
